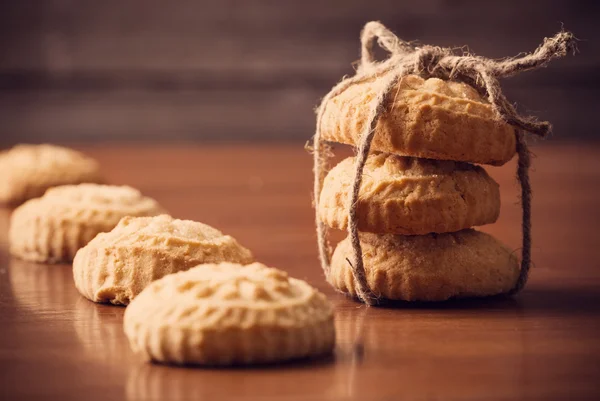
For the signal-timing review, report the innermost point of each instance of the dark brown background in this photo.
(244, 70)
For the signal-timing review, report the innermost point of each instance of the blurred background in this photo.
(233, 70)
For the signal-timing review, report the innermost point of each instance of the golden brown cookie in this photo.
(116, 266)
(52, 228)
(403, 195)
(29, 170)
(229, 314)
(432, 267)
(430, 118)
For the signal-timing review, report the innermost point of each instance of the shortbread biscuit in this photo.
(229, 314)
(403, 195)
(4, 225)
(116, 266)
(52, 228)
(431, 118)
(432, 267)
(29, 170)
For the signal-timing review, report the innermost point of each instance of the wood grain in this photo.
(541, 345)
(205, 70)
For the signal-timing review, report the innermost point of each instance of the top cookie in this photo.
(228, 314)
(29, 170)
(431, 118)
(52, 228)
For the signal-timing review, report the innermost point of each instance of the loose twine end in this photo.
(432, 61)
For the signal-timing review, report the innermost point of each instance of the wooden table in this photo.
(542, 345)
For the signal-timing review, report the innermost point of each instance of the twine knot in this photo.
(428, 59)
(434, 62)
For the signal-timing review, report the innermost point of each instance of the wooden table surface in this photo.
(542, 345)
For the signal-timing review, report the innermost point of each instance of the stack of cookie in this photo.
(420, 193)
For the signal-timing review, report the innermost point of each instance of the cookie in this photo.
(29, 170)
(116, 266)
(4, 225)
(52, 228)
(430, 118)
(432, 267)
(228, 314)
(403, 195)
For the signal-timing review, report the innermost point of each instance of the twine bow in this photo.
(432, 61)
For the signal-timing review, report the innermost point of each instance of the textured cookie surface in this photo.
(52, 228)
(403, 195)
(229, 314)
(116, 266)
(431, 118)
(432, 267)
(29, 170)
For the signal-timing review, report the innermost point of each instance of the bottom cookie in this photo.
(433, 267)
(229, 314)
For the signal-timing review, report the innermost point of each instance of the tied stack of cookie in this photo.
(415, 213)
(421, 121)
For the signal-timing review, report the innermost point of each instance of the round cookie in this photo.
(52, 228)
(116, 266)
(228, 314)
(432, 267)
(29, 170)
(430, 118)
(403, 195)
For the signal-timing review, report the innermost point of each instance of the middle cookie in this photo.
(116, 266)
(411, 196)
